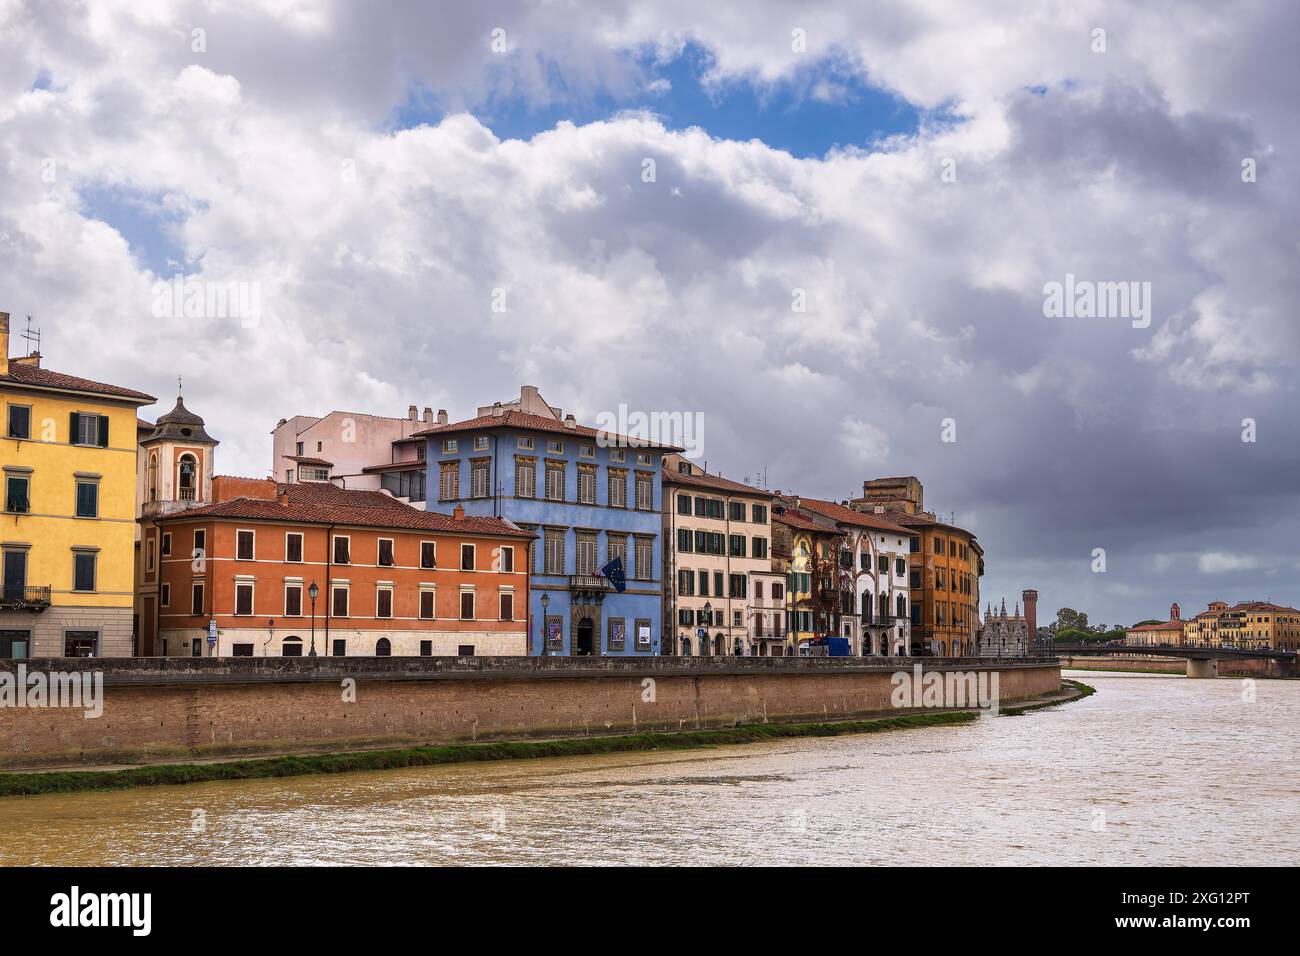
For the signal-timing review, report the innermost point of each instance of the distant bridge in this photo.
(1201, 661)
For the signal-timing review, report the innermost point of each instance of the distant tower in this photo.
(1174, 612)
(1030, 597)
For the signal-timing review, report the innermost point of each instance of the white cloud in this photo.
(1219, 562)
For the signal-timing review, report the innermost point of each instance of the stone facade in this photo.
(48, 630)
(1004, 635)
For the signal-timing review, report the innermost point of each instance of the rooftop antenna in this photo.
(179, 387)
(32, 336)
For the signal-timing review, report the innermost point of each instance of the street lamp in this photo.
(546, 602)
(312, 593)
(708, 623)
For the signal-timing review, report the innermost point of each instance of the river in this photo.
(1152, 769)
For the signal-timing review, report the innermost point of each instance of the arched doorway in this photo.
(717, 645)
(686, 647)
(292, 647)
(383, 648)
(586, 638)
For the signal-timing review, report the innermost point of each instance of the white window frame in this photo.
(334, 550)
(379, 544)
(473, 551)
(253, 532)
(296, 584)
(345, 586)
(246, 582)
(460, 607)
(392, 601)
(431, 589)
(302, 547)
(434, 567)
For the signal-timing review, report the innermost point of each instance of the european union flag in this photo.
(614, 571)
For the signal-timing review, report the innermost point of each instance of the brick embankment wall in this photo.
(1249, 667)
(169, 709)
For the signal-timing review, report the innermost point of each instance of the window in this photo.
(426, 603)
(555, 447)
(200, 542)
(298, 449)
(778, 591)
(449, 481)
(83, 571)
(686, 582)
(196, 599)
(426, 648)
(684, 540)
(293, 600)
(525, 478)
(342, 550)
(616, 547)
(938, 545)
(311, 473)
(166, 544)
(643, 632)
(524, 441)
(900, 566)
(736, 510)
(148, 556)
(340, 601)
(292, 647)
(165, 594)
(758, 547)
(737, 545)
(554, 556)
(704, 584)
(20, 421)
(479, 478)
(238, 650)
(464, 650)
(384, 602)
(586, 451)
(480, 442)
(585, 560)
(80, 643)
(385, 552)
(189, 470)
(467, 557)
(644, 569)
(554, 481)
(683, 504)
(467, 605)
(618, 454)
(618, 488)
(428, 554)
(738, 586)
(643, 459)
(644, 491)
(507, 560)
(759, 514)
(383, 647)
(293, 547)
(17, 489)
(340, 648)
(243, 597)
(507, 601)
(244, 545)
(88, 429)
(586, 484)
(450, 446)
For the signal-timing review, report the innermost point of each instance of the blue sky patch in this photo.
(144, 219)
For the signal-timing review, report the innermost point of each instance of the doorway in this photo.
(586, 638)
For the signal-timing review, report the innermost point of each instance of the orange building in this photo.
(390, 579)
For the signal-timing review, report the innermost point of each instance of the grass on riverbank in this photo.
(68, 781)
(1078, 690)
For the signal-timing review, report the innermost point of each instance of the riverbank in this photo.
(67, 781)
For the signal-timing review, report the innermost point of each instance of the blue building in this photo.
(587, 501)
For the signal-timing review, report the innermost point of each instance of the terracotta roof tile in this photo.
(310, 461)
(319, 503)
(844, 515)
(716, 482)
(794, 519)
(23, 374)
(541, 423)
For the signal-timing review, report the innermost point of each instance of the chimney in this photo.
(412, 413)
(282, 496)
(1030, 597)
(428, 415)
(458, 513)
(442, 416)
(497, 411)
(570, 421)
(4, 343)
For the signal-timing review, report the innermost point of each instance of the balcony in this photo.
(593, 583)
(19, 597)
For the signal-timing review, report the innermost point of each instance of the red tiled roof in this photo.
(716, 482)
(1165, 626)
(393, 466)
(541, 423)
(795, 520)
(24, 374)
(319, 503)
(310, 461)
(143, 425)
(843, 515)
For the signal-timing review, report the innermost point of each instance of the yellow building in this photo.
(806, 552)
(67, 531)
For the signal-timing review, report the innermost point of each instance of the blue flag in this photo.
(614, 571)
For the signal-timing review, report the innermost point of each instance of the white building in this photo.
(354, 451)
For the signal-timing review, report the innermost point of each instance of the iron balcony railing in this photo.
(22, 596)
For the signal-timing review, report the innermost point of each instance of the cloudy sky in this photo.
(386, 177)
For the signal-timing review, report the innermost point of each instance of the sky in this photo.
(823, 230)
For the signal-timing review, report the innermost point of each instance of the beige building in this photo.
(718, 579)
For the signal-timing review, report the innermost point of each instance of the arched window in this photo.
(292, 647)
(686, 647)
(153, 476)
(902, 606)
(866, 607)
(189, 476)
(383, 648)
(884, 605)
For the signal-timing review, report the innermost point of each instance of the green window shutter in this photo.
(103, 431)
(74, 427)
